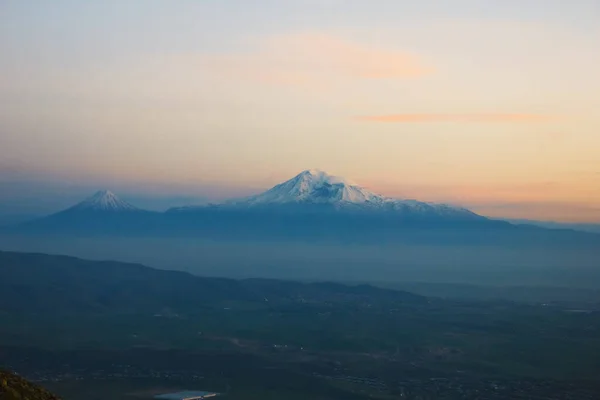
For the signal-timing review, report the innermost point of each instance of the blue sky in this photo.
(489, 104)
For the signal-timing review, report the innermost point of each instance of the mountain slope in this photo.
(47, 284)
(103, 201)
(13, 387)
(313, 205)
(317, 190)
(313, 186)
(103, 212)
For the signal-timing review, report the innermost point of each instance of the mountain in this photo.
(103, 201)
(103, 212)
(34, 284)
(313, 186)
(317, 190)
(13, 387)
(313, 205)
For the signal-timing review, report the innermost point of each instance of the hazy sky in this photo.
(486, 103)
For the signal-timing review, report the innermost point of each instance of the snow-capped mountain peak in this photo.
(313, 186)
(104, 200)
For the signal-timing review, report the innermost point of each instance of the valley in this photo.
(139, 328)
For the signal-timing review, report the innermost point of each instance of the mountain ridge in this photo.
(312, 205)
(315, 187)
(104, 201)
(103, 212)
(43, 283)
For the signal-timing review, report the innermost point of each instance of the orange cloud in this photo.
(487, 118)
(302, 59)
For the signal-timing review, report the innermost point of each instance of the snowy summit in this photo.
(314, 186)
(104, 200)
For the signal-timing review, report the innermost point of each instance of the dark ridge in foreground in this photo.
(40, 283)
(13, 387)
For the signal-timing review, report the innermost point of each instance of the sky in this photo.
(488, 104)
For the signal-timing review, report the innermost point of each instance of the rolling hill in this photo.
(40, 283)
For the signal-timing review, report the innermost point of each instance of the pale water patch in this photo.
(186, 395)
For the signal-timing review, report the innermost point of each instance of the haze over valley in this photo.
(314, 227)
(292, 200)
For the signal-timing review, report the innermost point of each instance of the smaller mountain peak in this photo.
(105, 200)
